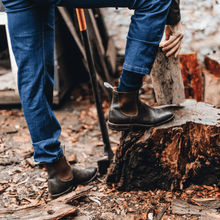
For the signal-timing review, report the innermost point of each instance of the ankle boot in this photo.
(63, 179)
(128, 111)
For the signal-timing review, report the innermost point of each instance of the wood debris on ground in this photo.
(23, 183)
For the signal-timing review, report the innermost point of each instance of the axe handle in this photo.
(81, 19)
(95, 87)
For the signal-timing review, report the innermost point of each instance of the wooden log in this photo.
(56, 209)
(212, 63)
(211, 88)
(170, 156)
(52, 211)
(181, 207)
(192, 77)
(167, 80)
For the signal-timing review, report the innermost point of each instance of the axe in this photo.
(104, 163)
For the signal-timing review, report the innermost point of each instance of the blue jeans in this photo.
(31, 28)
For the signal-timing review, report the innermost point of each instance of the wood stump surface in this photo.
(173, 155)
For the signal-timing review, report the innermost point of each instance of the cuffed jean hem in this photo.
(136, 69)
(140, 55)
(48, 151)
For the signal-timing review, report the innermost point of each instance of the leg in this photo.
(146, 28)
(145, 33)
(32, 38)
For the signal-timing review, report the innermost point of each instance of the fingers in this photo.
(176, 49)
(172, 40)
(162, 43)
(171, 43)
(174, 36)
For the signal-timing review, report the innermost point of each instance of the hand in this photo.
(173, 39)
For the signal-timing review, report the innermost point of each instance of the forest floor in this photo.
(24, 183)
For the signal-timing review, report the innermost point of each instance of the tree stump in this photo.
(171, 156)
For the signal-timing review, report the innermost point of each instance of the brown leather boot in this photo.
(128, 111)
(63, 179)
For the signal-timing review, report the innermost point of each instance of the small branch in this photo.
(161, 213)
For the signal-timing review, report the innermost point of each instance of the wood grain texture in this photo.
(52, 211)
(167, 80)
(211, 88)
(212, 63)
(192, 77)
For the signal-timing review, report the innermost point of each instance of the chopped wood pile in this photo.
(201, 80)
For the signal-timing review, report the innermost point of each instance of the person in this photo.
(31, 26)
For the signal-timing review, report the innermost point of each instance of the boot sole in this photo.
(74, 187)
(65, 192)
(90, 180)
(125, 127)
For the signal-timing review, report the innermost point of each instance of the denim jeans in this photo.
(31, 28)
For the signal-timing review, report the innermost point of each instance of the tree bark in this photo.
(192, 77)
(212, 63)
(173, 155)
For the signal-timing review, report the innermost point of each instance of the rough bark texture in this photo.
(192, 77)
(53, 211)
(173, 155)
(211, 88)
(167, 80)
(208, 211)
(212, 63)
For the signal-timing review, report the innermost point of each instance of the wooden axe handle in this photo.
(81, 19)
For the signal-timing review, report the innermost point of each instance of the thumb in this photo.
(162, 43)
(167, 35)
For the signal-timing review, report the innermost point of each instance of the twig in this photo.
(192, 200)
(39, 197)
(95, 199)
(73, 195)
(11, 132)
(5, 149)
(23, 181)
(161, 213)
(3, 189)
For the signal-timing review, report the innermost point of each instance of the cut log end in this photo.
(172, 156)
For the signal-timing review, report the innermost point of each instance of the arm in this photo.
(173, 31)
